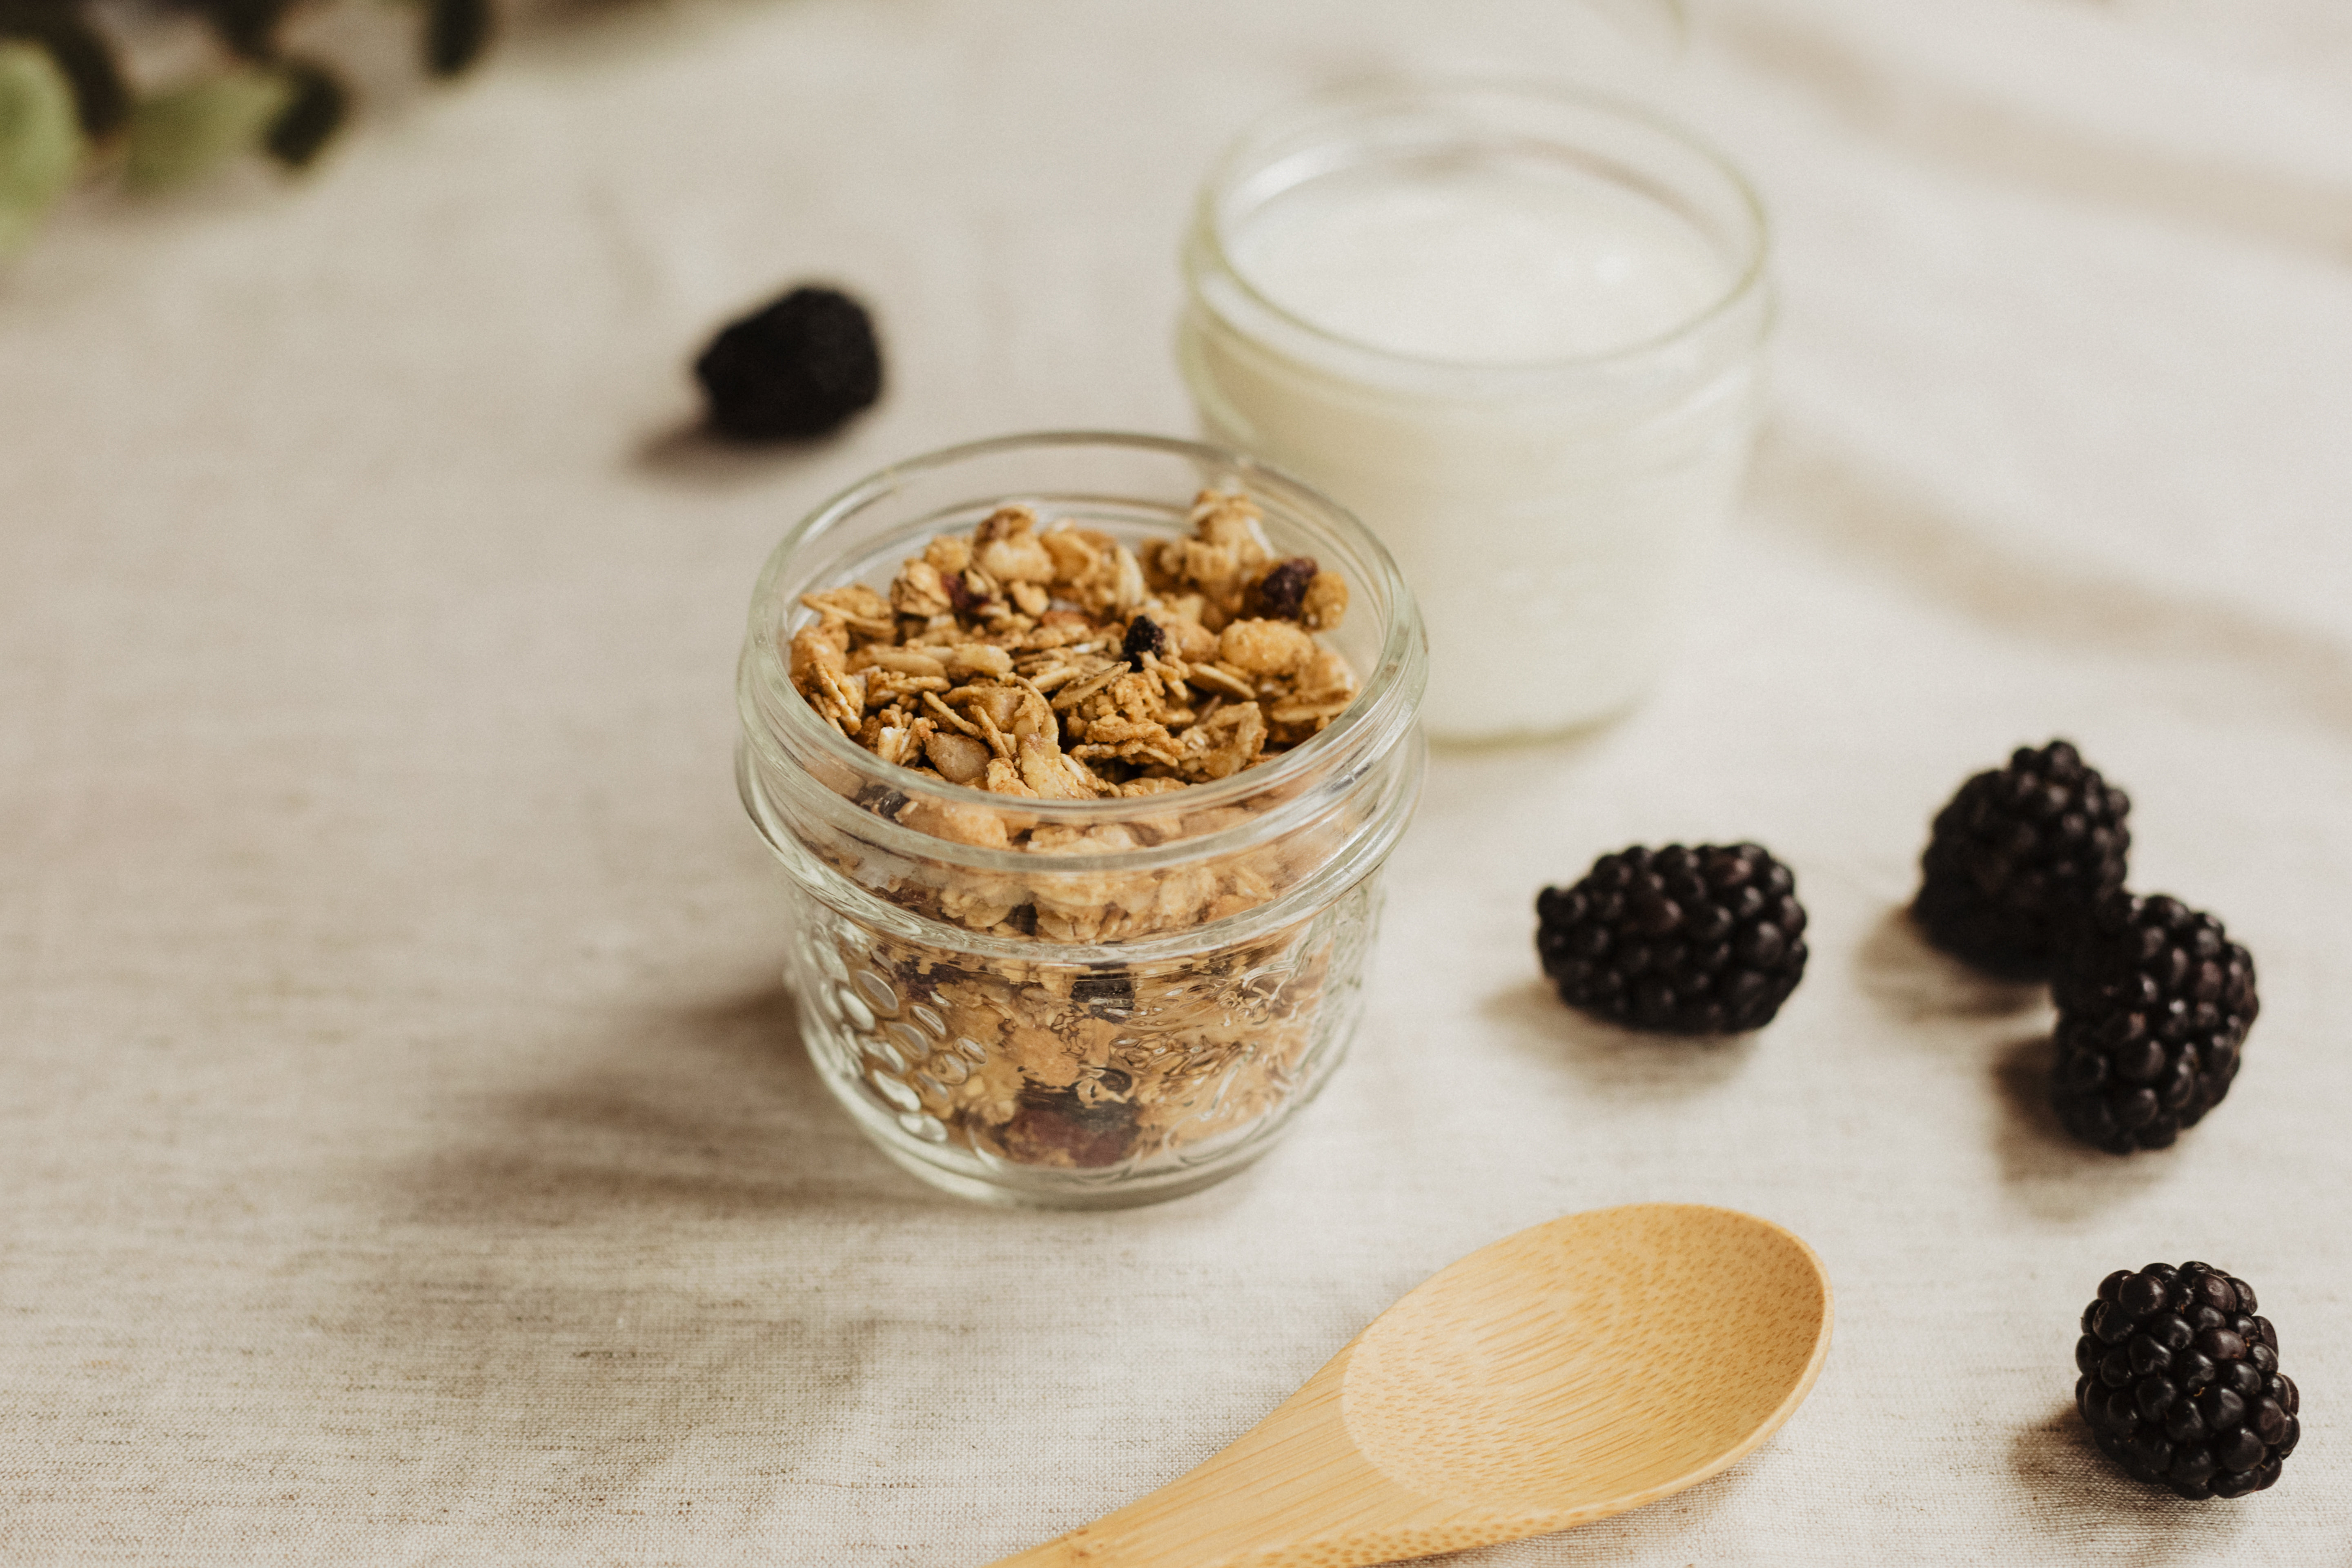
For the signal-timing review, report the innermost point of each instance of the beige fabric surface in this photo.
(406, 1155)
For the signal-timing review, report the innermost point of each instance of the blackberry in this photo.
(1278, 594)
(2180, 1381)
(317, 103)
(1069, 1127)
(2017, 857)
(799, 367)
(1143, 635)
(1683, 942)
(2153, 1007)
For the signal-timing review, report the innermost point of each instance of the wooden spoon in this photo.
(1575, 1370)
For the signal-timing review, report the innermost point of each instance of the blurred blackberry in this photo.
(2153, 1007)
(1143, 635)
(1069, 1127)
(1683, 942)
(801, 366)
(2180, 1381)
(2017, 857)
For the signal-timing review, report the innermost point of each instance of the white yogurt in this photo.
(1522, 345)
(1505, 260)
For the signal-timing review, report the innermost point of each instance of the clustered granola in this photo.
(1043, 663)
(1055, 665)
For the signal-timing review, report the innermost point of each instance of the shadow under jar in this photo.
(1091, 1002)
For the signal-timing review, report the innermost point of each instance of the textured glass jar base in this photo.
(1044, 1084)
(1015, 1187)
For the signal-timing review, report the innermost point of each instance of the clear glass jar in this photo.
(1133, 1005)
(1517, 331)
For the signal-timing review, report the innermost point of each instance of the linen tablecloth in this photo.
(406, 1151)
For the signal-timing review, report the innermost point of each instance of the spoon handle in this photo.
(1513, 1393)
(1055, 1553)
(1292, 1493)
(1220, 1507)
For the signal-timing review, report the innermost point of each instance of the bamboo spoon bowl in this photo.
(1575, 1370)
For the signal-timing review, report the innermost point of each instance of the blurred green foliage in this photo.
(68, 110)
(41, 139)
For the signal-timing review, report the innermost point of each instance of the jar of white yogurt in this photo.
(1517, 331)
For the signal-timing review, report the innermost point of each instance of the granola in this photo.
(1057, 664)
(1043, 663)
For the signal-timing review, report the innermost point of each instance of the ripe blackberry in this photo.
(2017, 857)
(2153, 1007)
(1143, 635)
(2180, 1381)
(799, 367)
(1683, 941)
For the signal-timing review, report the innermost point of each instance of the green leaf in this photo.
(81, 52)
(190, 130)
(316, 104)
(41, 139)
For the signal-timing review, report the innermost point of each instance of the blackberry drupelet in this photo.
(799, 367)
(2180, 1381)
(2017, 857)
(2154, 1002)
(1679, 941)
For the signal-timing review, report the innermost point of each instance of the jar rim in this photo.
(1381, 715)
(1209, 251)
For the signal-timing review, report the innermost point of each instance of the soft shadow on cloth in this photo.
(1897, 969)
(710, 1112)
(600, 1289)
(1706, 1513)
(2045, 1169)
(1805, 486)
(1621, 1063)
(1944, 123)
(2008, 1027)
(2070, 1486)
(688, 454)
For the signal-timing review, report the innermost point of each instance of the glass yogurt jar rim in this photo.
(777, 721)
(1207, 252)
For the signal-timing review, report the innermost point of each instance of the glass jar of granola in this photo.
(1082, 753)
